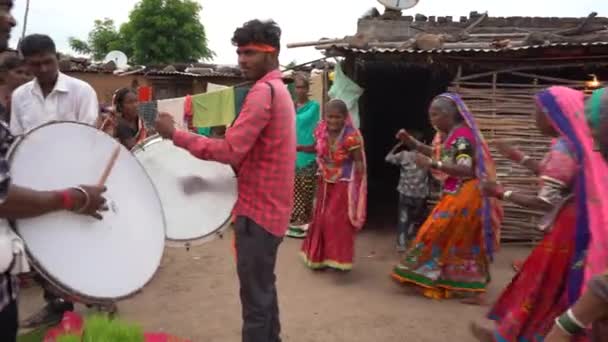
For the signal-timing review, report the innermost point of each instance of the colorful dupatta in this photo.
(485, 169)
(565, 109)
(357, 188)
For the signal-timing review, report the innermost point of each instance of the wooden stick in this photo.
(109, 166)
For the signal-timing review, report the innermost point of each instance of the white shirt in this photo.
(70, 100)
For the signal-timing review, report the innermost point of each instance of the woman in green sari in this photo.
(307, 117)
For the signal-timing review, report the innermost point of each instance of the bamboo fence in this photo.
(505, 111)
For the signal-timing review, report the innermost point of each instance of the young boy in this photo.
(413, 191)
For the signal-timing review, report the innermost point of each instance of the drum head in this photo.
(197, 195)
(95, 261)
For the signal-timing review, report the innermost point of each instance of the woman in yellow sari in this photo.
(453, 248)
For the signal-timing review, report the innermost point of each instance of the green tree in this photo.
(158, 32)
(166, 31)
(102, 39)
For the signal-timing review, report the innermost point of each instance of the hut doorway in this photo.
(397, 95)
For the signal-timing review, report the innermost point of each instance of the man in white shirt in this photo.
(51, 96)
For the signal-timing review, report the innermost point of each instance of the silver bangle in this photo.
(561, 327)
(578, 323)
(87, 200)
(506, 196)
(524, 160)
(437, 165)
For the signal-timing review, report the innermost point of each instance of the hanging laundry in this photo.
(144, 94)
(206, 131)
(175, 107)
(148, 112)
(214, 109)
(188, 113)
(240, 94)
(348, 91)
(211, 87)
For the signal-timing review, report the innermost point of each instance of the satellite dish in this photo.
(118, 57)
(399, 5)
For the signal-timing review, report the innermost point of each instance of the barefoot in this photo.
(480, 333)
(476, 299)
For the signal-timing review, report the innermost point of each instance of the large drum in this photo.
(197, 195)
(87, 260)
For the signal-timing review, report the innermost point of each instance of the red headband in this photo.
(257, 47)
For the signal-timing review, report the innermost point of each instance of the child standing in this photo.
(413, 191)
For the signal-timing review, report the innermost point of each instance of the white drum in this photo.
(197, 195)
(87, 260)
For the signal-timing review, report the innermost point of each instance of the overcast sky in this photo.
(301, 20)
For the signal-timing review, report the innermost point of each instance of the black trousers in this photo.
(9, 321)
(256, 251)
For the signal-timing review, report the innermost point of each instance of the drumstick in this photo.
(109, 166)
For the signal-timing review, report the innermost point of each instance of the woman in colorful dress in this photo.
(592, 307)
(307, 117)
(123, 121)
(340, 208)
(450, 256)
(572, 178)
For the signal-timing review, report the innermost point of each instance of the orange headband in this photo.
(257, 47)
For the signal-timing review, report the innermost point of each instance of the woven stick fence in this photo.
(505, 111)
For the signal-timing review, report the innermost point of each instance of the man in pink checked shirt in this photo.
(261, 146)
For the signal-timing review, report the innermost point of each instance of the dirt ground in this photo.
(195, 295)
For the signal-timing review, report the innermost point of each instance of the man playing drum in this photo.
(261, 146)
(51, 96)
(18, 202)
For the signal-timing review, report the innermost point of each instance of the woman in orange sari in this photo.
(123, 121)
(452, 251)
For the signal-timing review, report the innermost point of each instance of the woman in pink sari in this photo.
(340, 207)
(572, 178)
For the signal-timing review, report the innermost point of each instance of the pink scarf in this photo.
(565, 108)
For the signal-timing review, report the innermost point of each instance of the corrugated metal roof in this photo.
(195, 75)
(446, 51)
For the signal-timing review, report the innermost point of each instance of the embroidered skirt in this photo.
(528, 306)
(447, 255)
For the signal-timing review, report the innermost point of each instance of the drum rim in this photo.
(59, 286)
(156, 138)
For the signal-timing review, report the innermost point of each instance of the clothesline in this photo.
(218, 107)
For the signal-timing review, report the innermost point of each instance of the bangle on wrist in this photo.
(87, 200)
(524, 160)
(437, 165)
(506, 196)
(569, 324)
(561, 327)
(573, 318)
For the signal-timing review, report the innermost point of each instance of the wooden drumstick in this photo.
(109, 166)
